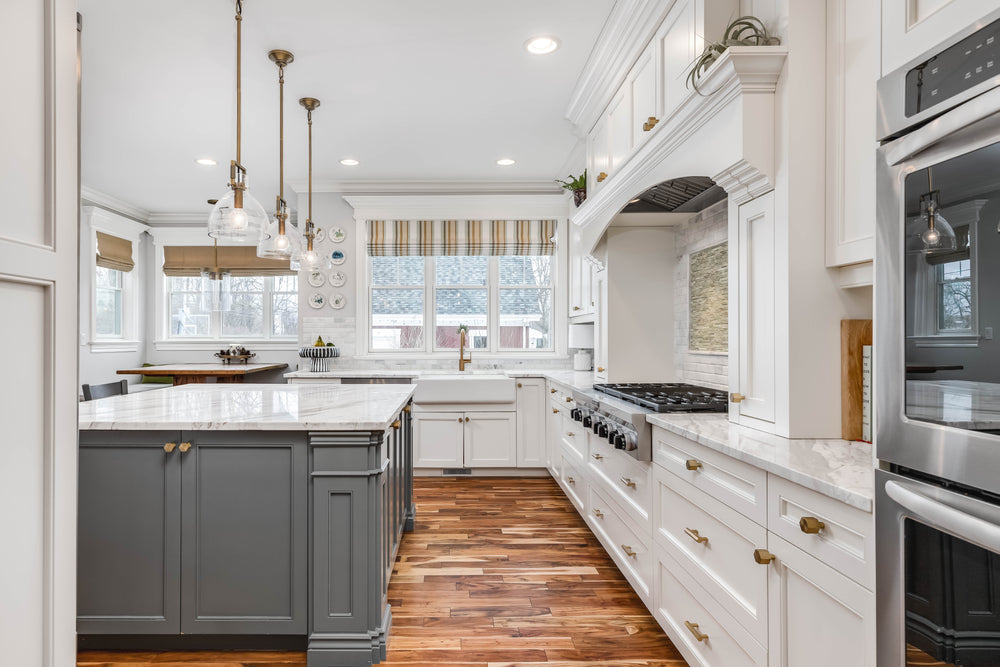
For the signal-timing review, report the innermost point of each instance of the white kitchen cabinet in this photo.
(465, 439)
(531, 431)
(752, 313)
(677, 41)
(852, 70)
(643, 92)
(911, 27)
(581, 279)
(619, 129)
(816, 615)
(598, 155)
(601, 325)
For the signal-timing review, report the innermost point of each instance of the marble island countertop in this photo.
(840, 469)
(958, 403)
(265, 407)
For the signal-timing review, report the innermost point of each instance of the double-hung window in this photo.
(257, 307)
(109, 287)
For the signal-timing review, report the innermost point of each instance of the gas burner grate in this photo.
(668, 396)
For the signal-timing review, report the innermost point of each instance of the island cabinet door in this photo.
(244, 533)
(129, 537)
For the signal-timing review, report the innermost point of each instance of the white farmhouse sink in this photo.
(464, 389)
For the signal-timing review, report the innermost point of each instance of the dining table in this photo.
(198, 373)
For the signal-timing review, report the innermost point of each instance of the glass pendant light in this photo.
(283, 240)
(237, 216)
(311, 259)
(216, 287)
(930, 232)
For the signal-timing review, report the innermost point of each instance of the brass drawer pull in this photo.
(406, 408)
(569, 399)
(694, 535)
(396, 424)
(169, 447)
(600, 369)
(577, 308)
(627, 481)
(599, 514)
(552, 391)
(628, 551)
(698, 634)
(570, 434)
(184, 446)
(571, 480)
(763, 556)
(601, 176)
(811, 525)
(737, 398)
(597, 457)
(692, 464)
(555, 411)
(650, 123)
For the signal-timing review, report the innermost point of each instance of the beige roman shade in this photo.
(114, 253)
(239, 260)
(398, 238)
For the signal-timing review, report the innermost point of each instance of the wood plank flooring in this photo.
(499, 572)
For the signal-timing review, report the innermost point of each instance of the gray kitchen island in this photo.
(244, 516)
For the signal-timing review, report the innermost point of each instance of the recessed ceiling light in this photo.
(206, 162)
(505, 162)
(349, 162)
(542, 45)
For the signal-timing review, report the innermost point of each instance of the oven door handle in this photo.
(945, 517)
(939, 129)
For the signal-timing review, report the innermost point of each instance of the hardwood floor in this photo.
(499, 571)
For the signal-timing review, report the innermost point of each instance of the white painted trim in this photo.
(460, 207)
(427, 187)
(113, 204)
(108, 345)
(180, 219)
(201, 345)
(97, 219)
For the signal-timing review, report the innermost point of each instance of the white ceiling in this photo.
(431, 90)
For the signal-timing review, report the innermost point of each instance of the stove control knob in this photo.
(596, 424)
(631, 441)
(588, 421)
(619, 440)
(575, 414)
(602, 430)
(612, 435)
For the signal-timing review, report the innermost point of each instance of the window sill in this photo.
(202, 344)
(946, 340)
(389, 356)
(110, 345)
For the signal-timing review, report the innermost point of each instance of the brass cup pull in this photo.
(184, 446)
(599, 514)
(627, 481)
(692, 464)
(169, 447)
(811, 525)
(396, 424)
(650, 123)
(569, 399)
(737, 398)
(600, 369)
(698, 634)
(552, 391)
(694, 535)
(555, 411)
(597, 457)
(763, 556)
(571, 480)
(601, 176)
(628, 551)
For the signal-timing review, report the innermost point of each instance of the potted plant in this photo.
(743, 31)
(577, 185)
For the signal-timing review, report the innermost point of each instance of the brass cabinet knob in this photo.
(627, 481)
(599, 514)
(600, 369)
(698, 634)
(466, 420)
(811, 525)
(570, 434)
(628, 551)
(577, 308)
(459, 420)
(169, 447)
(597, 457)
(184, 447)
(601, 176)
(519, 385)
(555, 411)
(692, 464)
(694, 535)
(406, 408)
(650, 123)
(737, 398)
(571, 480)
(569, 399)
(552, 391)
(763, 556)
(396, 424)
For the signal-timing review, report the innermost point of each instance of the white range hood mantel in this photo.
(727, 134)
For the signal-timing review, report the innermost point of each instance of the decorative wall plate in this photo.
(317, 300)
(320, 235)
(338, 301)
(337, 235)
(316, 279)
(337, 279)
(337, 257)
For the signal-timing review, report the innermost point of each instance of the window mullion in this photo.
(430, 301)
(493, 304)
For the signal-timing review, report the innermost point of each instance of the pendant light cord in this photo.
(309, 116)
(239, 77)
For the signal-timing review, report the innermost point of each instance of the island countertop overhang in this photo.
(261, 407)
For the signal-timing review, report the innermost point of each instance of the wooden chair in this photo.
(92, 391)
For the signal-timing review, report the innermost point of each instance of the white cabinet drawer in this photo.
(846, 541)
(574, 436)
(739, 485)
(572, 478)
(716, 546)
(626, 479)
(688, 613)
(622, 541)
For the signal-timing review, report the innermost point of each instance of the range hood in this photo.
(688, 194)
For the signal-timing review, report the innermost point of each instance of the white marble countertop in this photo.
(263, 407)
(958, 403)
(570, 378)
(843, 470)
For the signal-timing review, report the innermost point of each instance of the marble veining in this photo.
(842, 470)
(958, 403)
(265, 407)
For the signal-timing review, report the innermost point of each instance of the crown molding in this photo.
(629, 28)
(178, 219)
(428, 187)
(90, 196)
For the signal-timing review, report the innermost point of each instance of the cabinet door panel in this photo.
(620, 130)
(128, 557)
(490, 439)
(642, 88)
(531, 404)
(601, 326)
(244, 540)
(598, 150)
(677, 44)
(437, 439)
(757, 308)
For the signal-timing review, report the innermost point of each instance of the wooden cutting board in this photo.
(854, 335)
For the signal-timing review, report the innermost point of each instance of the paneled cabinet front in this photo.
(531, 424)
(195, 533)
(465, 439)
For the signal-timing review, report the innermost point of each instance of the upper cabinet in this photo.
(598, 155)
(911, 27)
(676, 44)
(643, 89)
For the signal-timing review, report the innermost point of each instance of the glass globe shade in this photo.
(280, 246)
(921, 239)
(314, 260)
(239, 225)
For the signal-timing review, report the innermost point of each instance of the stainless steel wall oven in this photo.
(937, 342)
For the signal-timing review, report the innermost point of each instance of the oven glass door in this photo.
(952, 600)
(952, 291)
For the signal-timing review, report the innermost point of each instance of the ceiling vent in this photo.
(679, 195)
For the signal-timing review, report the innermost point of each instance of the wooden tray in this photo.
(232, 358)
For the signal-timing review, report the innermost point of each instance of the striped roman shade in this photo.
(398, 238)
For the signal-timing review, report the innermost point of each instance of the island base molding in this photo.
(91, 642)
(345, 649)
